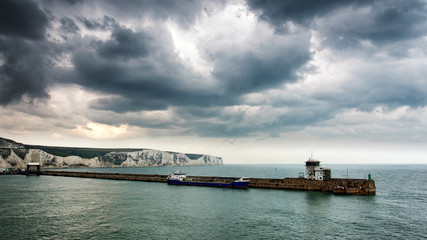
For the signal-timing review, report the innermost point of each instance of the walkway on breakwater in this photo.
(334, 185)
(113, 176)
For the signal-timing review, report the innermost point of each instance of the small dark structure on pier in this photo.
(33, 168)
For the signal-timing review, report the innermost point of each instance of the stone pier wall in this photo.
(335, 185)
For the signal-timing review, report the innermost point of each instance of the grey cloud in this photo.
(372, 20)
(394, 29)
(278, 13)
(68, 3)
(230, 126)
(68, 25)
(26, 55)
(138, 69)
(24, 72)
(390, 86)
(373, 85)
(133, 119)
(73, 2)
(184, 12)
(142, 75)
(125, 43)
(157, 79)
(24, 19)
(381, 24)
(213, 122)
(269, 66)
(394, 23)
(217, 122)
(106, 22)
(223, 129)
(130, 103)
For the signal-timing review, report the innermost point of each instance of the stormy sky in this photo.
(251, 81)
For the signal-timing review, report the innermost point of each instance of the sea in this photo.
(52, 207)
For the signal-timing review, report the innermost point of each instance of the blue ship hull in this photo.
(234, 184)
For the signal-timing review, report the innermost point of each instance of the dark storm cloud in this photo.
(72, 2)
(376, 21)
(278, 13)
(20, 18)
(246, 72)
(131, 103)
(393, 28)
(386, 26)
(25, 54)
(396, 22)
(141, 70)
(134, 67)
(142, 73)
(125, 43)
(23, 72)
(138, 83)
(230, 125)
(147, 76)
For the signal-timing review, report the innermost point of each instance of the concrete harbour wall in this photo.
(335, 185)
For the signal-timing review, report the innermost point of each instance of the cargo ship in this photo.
(178, 178)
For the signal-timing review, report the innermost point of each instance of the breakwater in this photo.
(113, 176)
(334, 185)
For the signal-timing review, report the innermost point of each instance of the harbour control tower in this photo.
(315, 171)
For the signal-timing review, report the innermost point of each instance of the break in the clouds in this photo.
(215, 68)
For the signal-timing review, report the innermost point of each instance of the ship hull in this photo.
(240, 185)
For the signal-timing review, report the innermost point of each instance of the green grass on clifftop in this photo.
(80, 152)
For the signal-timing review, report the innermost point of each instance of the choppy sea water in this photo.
(48, 207)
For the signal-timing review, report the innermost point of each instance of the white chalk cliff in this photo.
(16, 155)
